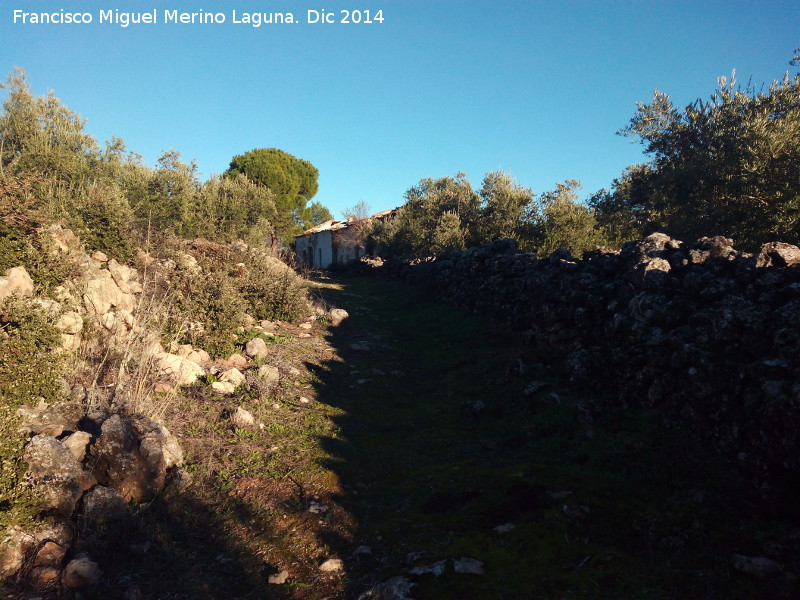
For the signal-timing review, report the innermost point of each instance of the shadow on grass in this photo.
(442, 455)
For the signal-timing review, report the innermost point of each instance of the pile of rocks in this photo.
(705, 333)
(85, 472)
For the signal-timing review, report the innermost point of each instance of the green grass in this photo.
(658, 516)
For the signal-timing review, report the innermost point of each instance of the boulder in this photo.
(337, 316)
(181, 370)
(242, 418)
(77, 443)
(223, 387)
(778, 254)
(102, 292)
(102, 504)
(269, 374)
(133, 454)
(70, 323)
(234, 376)
(56, 473)
(257, 348)
(15, 281)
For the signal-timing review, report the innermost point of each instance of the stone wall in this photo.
(707, 335)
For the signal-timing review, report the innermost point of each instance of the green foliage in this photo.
(233, 283)
(40, 136)
(230, 208)
(163, 197)
(445, 215)
(508, 209)
(272, 290)
(565, 223)
(439, 215)
(22, 240)
(315, 214)
(291, 179)
(29, 371)
(103, 221)
(725, 166)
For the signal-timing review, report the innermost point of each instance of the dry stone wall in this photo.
(707, 335)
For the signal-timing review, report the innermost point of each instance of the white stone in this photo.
(184, 371)
(242, 418)
(15, 280)
(234, 376)
(70, 323)
(469, 566)
(269, 373)
(332, 565)
(278, 578)
(77, 442)
(223, 387)
(338, 315)
(257, 348)
(81, 572)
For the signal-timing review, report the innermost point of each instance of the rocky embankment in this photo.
(100, 448)
(704, 333)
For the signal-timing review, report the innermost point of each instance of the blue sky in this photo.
(536, 88)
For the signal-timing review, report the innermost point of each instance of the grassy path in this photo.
(401, 441)
(439, 445)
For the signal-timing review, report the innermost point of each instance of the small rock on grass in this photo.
(242, 418)
(332, 565)
(279, 578)
(757, 566)
(436, 569)
(469, 566)
(395, 588)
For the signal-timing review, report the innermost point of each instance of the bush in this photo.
(103, 222)
(22, 239)
(29, 372)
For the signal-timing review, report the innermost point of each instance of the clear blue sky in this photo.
(536, 88)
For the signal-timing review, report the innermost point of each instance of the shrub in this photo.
(103, 222)
(29, 371)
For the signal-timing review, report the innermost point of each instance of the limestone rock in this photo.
(242, 418)
(101, 504)
(132, 455)
(469, 566)
(237, 361)
(50, 554)
(234, 376)
(16, 280)
(70, 323)
(182, 370)
(778, 254)
(223, 387)
(81, 572)
(396, 588)
(53, 468)
(757, 566)
(269, 374)
(77, 442)
(257, 348)
(337, 316)
(278, 578)
(102, 292)
(42, 419)
(332, 565)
